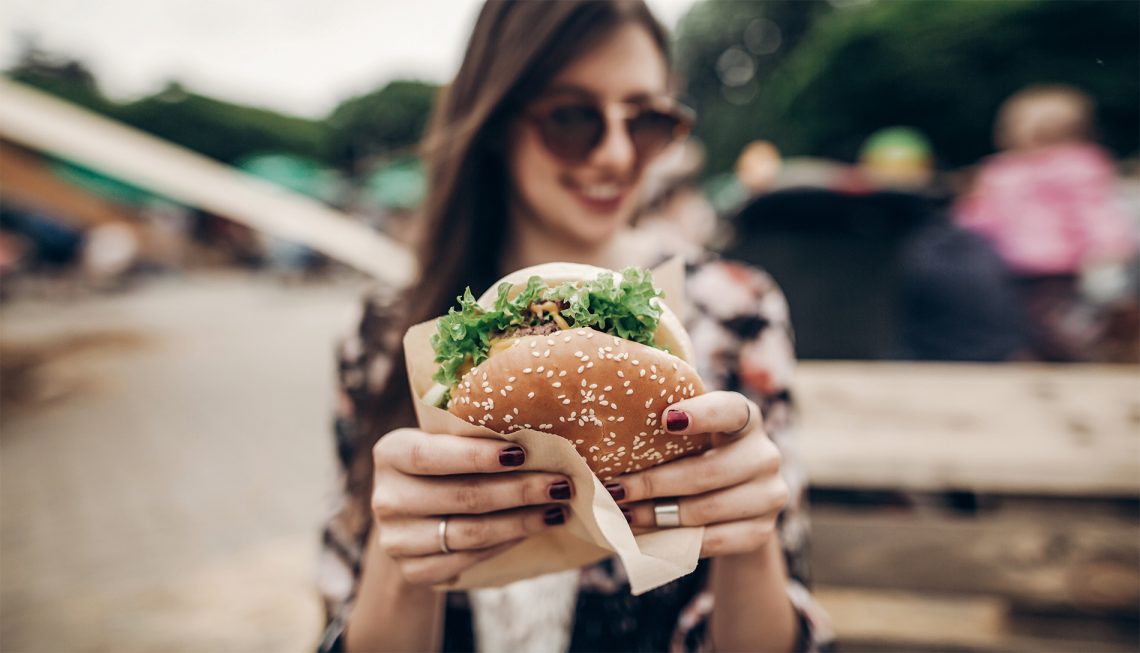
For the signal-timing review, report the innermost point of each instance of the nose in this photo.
(616, 152)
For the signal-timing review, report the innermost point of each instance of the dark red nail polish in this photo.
(554, 516)
(676, 420)
(559, 490)
(512, 457)
(627, 514)
(616, 490)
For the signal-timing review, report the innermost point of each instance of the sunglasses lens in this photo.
(572, 132)
(653, 131)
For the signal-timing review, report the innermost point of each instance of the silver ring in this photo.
(667, 514)
(747, 420)
(443, 536)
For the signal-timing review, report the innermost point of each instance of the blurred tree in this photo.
(58, 75)
(221, 130)
(943, 66)
(725, 51)
(380, 123)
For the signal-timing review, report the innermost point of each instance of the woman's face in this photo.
(587, 202)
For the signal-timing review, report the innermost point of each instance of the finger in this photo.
(421, 537)
(436, 454)
(713, 412)
(440, 568)
(736, 462)
(741, 502)
(737, 537)
(472, 494)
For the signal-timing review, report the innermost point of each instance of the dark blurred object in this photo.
(881, 276)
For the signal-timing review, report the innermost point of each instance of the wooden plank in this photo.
(1012, 428)
(883, 621)
(1062, 563)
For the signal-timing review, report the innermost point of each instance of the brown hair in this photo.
(517, 46)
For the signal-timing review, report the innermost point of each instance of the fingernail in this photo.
(676, 420)
(512, 457)
(554, 516)
(559, 490)
(616, 490)
(627, 514)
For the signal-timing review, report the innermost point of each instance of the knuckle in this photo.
(474, 534)
(481, 459)
(643, 486)
(532, 491)
(706, 509)
(419, 457)
(468, 496)
(415, 571)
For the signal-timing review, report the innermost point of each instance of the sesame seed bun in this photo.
(603, 393)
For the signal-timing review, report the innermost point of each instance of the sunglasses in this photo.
(572, 130)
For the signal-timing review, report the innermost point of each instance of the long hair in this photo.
(516, 48)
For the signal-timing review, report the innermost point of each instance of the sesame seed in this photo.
(509, 388)
(652, 377)
(669, 398)
(608, 388)
(510, 379)
(470, 418)
(549, 373)
(634, 361)
(562, 373)
(535, 354)
(533, 344)
(589, 335)
(621, 374)
(526, 370)
(643, 374)
(540, 369)
(556, 384)
(674, 366)
(565, 402)
(593, 385)
(629, 392)
(583, 381)
(503, 392)
(577, 354)
(546, 354)
(621, 419)
(550, 342)
(530, 395)
(566, 339)
(580, 368)
(661, 381)
(589, 365)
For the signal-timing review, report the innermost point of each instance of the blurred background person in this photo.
(1049, 204)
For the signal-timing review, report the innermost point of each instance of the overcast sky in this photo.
(297, 56)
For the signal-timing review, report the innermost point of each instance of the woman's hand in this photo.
(422, 479)
(735, 490)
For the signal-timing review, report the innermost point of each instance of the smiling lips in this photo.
(599, 198)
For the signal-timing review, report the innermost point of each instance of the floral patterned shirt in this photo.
(738, 321)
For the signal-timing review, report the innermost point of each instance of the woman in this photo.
(536, 153)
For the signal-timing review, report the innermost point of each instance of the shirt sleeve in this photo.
(753, 353)
(363, 361)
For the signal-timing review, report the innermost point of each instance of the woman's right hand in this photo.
(422, 478)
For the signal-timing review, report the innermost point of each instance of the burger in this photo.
(588, 354)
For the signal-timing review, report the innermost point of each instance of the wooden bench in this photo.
(975, 507)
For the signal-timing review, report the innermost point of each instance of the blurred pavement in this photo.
(165, 470)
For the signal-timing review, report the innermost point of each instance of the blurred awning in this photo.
(296, 173)
(400, 184)
(41, 122)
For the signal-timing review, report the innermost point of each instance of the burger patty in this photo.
(540, 330)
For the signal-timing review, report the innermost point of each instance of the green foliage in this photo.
(379, 123)
(943, 66)
(221, 130)
(627, 310)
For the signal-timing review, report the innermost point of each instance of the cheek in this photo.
(535, 176)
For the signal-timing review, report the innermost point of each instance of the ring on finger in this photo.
(667, 513)
(443, 536)
(747, 420)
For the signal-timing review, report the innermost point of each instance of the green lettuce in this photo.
(624, 309)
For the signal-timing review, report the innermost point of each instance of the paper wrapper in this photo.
(595, 528)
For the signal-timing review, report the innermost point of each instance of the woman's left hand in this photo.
(735, 490)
